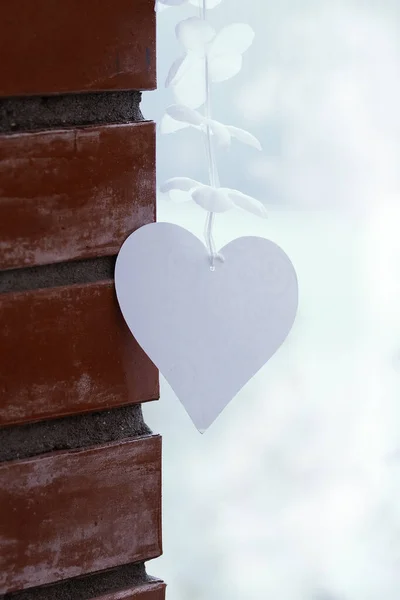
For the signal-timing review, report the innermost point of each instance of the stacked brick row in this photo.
(73, 185)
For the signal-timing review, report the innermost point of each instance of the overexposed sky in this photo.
(294, 492)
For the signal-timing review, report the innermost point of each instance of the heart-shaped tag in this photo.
(207, 331)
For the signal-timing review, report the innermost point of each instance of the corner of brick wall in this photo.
(80, 471)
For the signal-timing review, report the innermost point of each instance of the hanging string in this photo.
(231, 42)
(212, 167)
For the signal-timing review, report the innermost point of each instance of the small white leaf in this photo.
(179, 183)
(173, 2)
(212, 199)
(179, 67)
(244, 136)
(170, 125)
(232, 39)
(246, 202)
(180, 112)
(195, 33)
(224, 66)
(190, 89)
(209, 3)
(179, 196)
(221, 133)
(159, 6)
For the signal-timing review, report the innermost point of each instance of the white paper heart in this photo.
(208, 332)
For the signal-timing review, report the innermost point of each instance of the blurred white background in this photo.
(294, 492)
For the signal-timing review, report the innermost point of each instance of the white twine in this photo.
(213, 176)
(217, 54)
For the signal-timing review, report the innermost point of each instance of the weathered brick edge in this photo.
(57, 275)
(69, 433)
(79, 431)
(88, 587)
(35, 113)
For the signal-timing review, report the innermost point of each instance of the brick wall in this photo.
(80, 472)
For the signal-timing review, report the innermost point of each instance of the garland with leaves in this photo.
(210, 57)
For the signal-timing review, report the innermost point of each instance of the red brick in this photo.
(74, 193)
(148, 591)
(66, 514)
(50, 47)
(67, 350)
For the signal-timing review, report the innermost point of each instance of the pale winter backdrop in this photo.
(294, 492)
